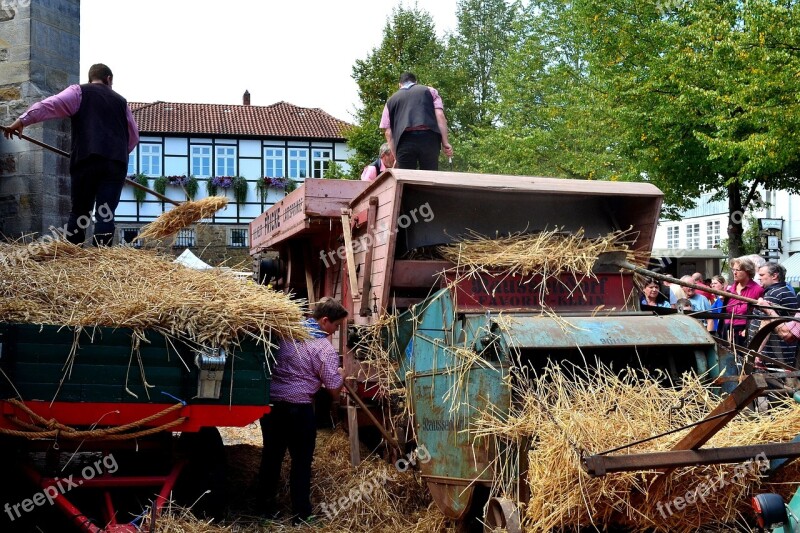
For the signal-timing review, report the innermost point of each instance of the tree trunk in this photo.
(735, 219)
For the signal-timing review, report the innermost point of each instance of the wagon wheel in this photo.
(201, 485)
(501, 514)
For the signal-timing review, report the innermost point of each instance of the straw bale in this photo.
(574, 412)
(185, 214)
(55, 282)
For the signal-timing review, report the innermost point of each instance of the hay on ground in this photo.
(381, 498)
(55, 282)
(181, 216)
(578, 411)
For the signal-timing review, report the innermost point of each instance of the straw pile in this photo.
(578, 411)
(55, 282)
(390, 500)
(181, 216)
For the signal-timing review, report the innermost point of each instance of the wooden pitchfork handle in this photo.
(66, 154)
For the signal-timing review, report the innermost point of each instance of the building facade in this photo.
(700, 231)
(221, 144)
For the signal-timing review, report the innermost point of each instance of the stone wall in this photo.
(211, 245)
(39, 56)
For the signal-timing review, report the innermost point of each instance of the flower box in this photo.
(237, 184)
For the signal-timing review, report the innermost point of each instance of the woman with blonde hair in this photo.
(743, 271)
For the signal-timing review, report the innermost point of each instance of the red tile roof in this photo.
(277, 120)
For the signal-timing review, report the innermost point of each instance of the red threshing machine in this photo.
(373, 246)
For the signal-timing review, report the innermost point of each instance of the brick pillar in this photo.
(39, 56)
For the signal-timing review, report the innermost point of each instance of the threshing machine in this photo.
(377, 252)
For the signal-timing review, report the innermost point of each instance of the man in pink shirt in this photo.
(103, 134)
(385, 160)
(300, 370)
(415, 125)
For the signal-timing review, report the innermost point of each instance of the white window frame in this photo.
(132, 162)
(274, 162)
(200, 158)
(713, 233)
(320, 161)
(244, 242)
(693, 236)
(225, 160)
(150, 159)
(673, 237)
(298, 163)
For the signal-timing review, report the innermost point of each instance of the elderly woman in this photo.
(651, 294)
(743, 271)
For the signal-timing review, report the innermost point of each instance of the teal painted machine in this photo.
(458, 363)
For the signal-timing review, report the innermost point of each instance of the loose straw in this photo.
(174, 220)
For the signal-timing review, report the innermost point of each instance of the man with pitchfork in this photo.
(104, 132)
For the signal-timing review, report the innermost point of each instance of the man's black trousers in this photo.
(289, 426)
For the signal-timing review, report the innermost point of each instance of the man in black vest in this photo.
(414, 124)
(103, 134)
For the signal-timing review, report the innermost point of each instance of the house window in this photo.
(321, 162)
(226, 160)
(237, 237)
(150, 159)
(273, 162)
(129, 236)
(185, 239)
(201, 161)
(712, 234)
(673, 237)
(693, 236)
(298, 163)
(132, 163)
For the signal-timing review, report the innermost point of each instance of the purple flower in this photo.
(224, 182)
(178, 180)
(276, 183)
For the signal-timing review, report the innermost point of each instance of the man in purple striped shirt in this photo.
(103, 134)
(301, 369)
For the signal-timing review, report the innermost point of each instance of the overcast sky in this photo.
(210, 52)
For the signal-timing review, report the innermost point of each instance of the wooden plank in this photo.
(352, 428)
(417, 273)
(365, 292)
(348, 245)
(512, 184)
(309, 277)
(737, 400)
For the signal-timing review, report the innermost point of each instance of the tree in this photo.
(409, 44)
(475, 54)
(695, 96)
